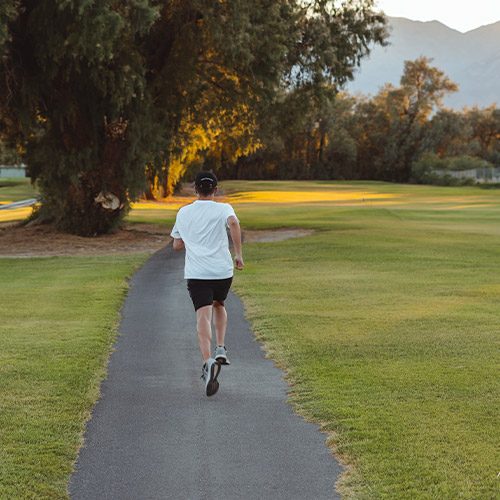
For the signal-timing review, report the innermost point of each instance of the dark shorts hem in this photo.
(205, 292)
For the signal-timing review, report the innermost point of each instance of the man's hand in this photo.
(178, 244)
(235, 230)
(238, 259)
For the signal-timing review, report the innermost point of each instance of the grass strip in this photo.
(387, 323)
(59, 319)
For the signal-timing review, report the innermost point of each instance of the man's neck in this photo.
(207, 198)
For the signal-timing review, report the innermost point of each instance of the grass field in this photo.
(15, 189)
(387, 321)
(58, 318)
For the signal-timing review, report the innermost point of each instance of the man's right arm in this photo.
(178, 243)
(235, 231)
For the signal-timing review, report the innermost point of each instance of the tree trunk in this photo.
(96, 202)
(150, 186)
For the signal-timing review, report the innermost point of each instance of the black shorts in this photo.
(204, 292)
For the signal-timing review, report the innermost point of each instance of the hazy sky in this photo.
(460, 15)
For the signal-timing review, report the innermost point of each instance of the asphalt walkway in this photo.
(155, 435)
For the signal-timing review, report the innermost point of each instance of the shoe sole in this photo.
(213, 383)
(222, 361)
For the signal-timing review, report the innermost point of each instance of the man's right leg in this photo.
(211, 368)
(220, 323)
(220, 318)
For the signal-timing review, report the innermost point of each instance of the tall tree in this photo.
(448, 134)
(485, 132)
(421, 91)
(101, 90)
(74, 89)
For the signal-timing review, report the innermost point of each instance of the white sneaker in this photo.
(210, 372)
(220, 355)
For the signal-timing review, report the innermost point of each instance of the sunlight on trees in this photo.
(108, 96)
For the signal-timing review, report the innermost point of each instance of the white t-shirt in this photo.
(202, 226)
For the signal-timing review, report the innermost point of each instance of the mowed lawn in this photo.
(387, 321)
(15, 189)
(58, 321)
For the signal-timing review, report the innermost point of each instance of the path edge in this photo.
(103, 371)
(346, 465)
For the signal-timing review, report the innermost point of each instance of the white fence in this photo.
(12, 171)
(483, 175)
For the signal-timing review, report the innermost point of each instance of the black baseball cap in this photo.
(205, 177)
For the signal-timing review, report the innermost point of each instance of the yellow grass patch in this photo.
(15, 214)
(308, 196)
(171, 203)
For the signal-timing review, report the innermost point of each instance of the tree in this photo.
(485, 132)
(448, 134)
(99, 92)
(74, 91)
(390, 128)
(370, 127)
(421, 91)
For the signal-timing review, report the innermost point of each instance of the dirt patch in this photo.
(44, 240)
(270, 235)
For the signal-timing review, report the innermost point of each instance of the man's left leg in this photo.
(204, 328)
(220, 321)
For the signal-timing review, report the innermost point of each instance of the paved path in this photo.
(155, 435)
(18, 204)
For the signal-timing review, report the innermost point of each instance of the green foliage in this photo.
(424, 169)
(72, 83)
(8, 154)
(328, 135)
(98, 92)
(466, 162)
(8, 12)
(472, 132)
(432, 169)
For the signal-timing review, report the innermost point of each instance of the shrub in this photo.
(423, 171)
(466, 162)
(431, 169)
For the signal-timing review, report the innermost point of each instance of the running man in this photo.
(200, 228)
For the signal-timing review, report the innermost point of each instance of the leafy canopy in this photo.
(99, 91)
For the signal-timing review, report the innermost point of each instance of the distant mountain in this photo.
(472, 59)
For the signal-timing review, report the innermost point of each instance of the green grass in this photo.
(16, 189)
(58, 322)
(387, 321)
